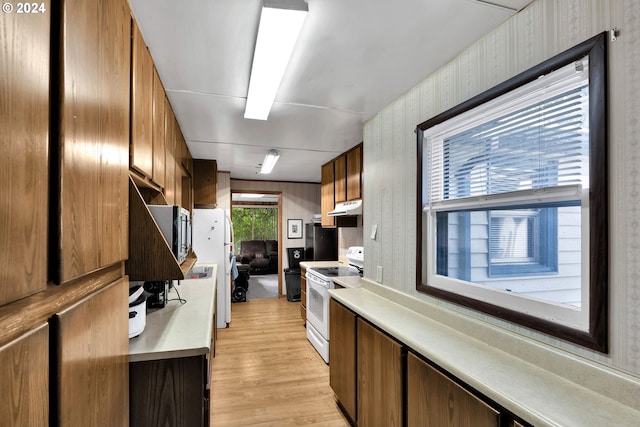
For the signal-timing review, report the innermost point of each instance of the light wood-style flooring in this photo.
(266, 373)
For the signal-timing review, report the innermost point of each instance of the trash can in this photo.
(292, 274)
(292, 278)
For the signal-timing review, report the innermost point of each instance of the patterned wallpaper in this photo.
(543, 29)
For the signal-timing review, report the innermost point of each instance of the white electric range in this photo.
(319, 281)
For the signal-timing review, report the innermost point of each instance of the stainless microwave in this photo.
(175, 224)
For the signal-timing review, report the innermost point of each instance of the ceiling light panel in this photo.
(280, 25)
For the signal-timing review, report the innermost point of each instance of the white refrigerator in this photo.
(212, 236)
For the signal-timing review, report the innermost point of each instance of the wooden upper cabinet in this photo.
(24, 107)
(327, 193)
(92, 360)
(93, 138)
(380, 373)
(159, 152)
(340, 175)
(354, 173)
(205, 183)
(435, 400)
(141, 105)
(185, 155)
(348, 175)
(170, 146)
(24, 395)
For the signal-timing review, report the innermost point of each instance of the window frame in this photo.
(596, 337)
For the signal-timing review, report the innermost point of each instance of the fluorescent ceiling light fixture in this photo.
(269, 161)
(280, 25)
(251, 196)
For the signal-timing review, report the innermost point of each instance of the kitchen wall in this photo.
(349, 236)
(543, 29)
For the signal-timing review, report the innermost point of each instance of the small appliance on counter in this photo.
(159, 291)
(137, 311)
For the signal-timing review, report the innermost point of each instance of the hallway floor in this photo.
(266, 373)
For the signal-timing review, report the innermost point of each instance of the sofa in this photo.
(260, 255)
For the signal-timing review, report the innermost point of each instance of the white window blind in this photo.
(536, 139)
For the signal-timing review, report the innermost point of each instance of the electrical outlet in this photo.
(379, 274)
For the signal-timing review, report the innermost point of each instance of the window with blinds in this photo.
(513, 203)
(534, 138)
(524, 156)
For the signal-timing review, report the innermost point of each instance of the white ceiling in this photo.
(352, 59)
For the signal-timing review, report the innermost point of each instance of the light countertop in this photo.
(179, 330)
(537, 395)
(348, 281)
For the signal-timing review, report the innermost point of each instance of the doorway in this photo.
(257, 220)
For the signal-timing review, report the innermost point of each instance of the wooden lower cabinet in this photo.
(24, 395)
(91, 348)
(342, 354)
(435, 400)
(169, 392)
(379, 378)
(391, 382)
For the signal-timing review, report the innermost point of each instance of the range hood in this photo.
(354, 207)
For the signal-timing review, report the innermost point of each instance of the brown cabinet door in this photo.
(170, 146)
(327, 193)
(93, 136)
(24, 395)
(435, 400)
(205, 183)
(141, 105)
(354, 173)
(379, 378)
(24, 164)
(185, 155)
(169, 392)
(342, 356)
(159, 154)
(92, 345)
(340, 170)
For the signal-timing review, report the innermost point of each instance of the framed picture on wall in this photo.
(294, 229)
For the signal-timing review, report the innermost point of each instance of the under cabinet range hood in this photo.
(354, 207)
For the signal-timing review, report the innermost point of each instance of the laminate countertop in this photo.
(180, 329)
(535, 394)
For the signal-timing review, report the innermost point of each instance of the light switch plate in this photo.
(379, 274)
(374, 230)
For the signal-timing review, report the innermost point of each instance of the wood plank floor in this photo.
(266, 373)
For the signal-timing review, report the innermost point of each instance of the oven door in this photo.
(318, 304)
